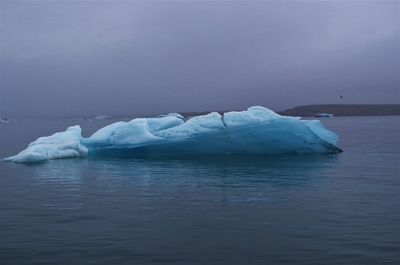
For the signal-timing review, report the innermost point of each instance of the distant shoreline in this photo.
(344, 110)
(335, 109)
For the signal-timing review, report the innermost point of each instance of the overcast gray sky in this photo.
(82, 58)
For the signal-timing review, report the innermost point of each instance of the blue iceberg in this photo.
(257, 131)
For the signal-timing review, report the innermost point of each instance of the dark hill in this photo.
(344, 110)
(335, 109)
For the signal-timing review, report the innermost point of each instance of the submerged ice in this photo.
(255, 131)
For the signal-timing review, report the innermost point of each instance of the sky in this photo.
(87, 58)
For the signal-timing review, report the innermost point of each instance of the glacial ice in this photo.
(255, 131)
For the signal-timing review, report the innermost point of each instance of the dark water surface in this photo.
(304, 209)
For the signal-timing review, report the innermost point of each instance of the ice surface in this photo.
(255, 131)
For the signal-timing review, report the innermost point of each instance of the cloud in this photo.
(86, 58)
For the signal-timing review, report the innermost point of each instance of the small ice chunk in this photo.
(173, 114)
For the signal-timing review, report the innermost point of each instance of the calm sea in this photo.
(298, 209)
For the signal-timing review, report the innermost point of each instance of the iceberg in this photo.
(256, 131)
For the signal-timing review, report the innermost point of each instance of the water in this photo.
(305, 209)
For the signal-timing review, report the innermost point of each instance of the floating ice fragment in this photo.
(324, 115)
